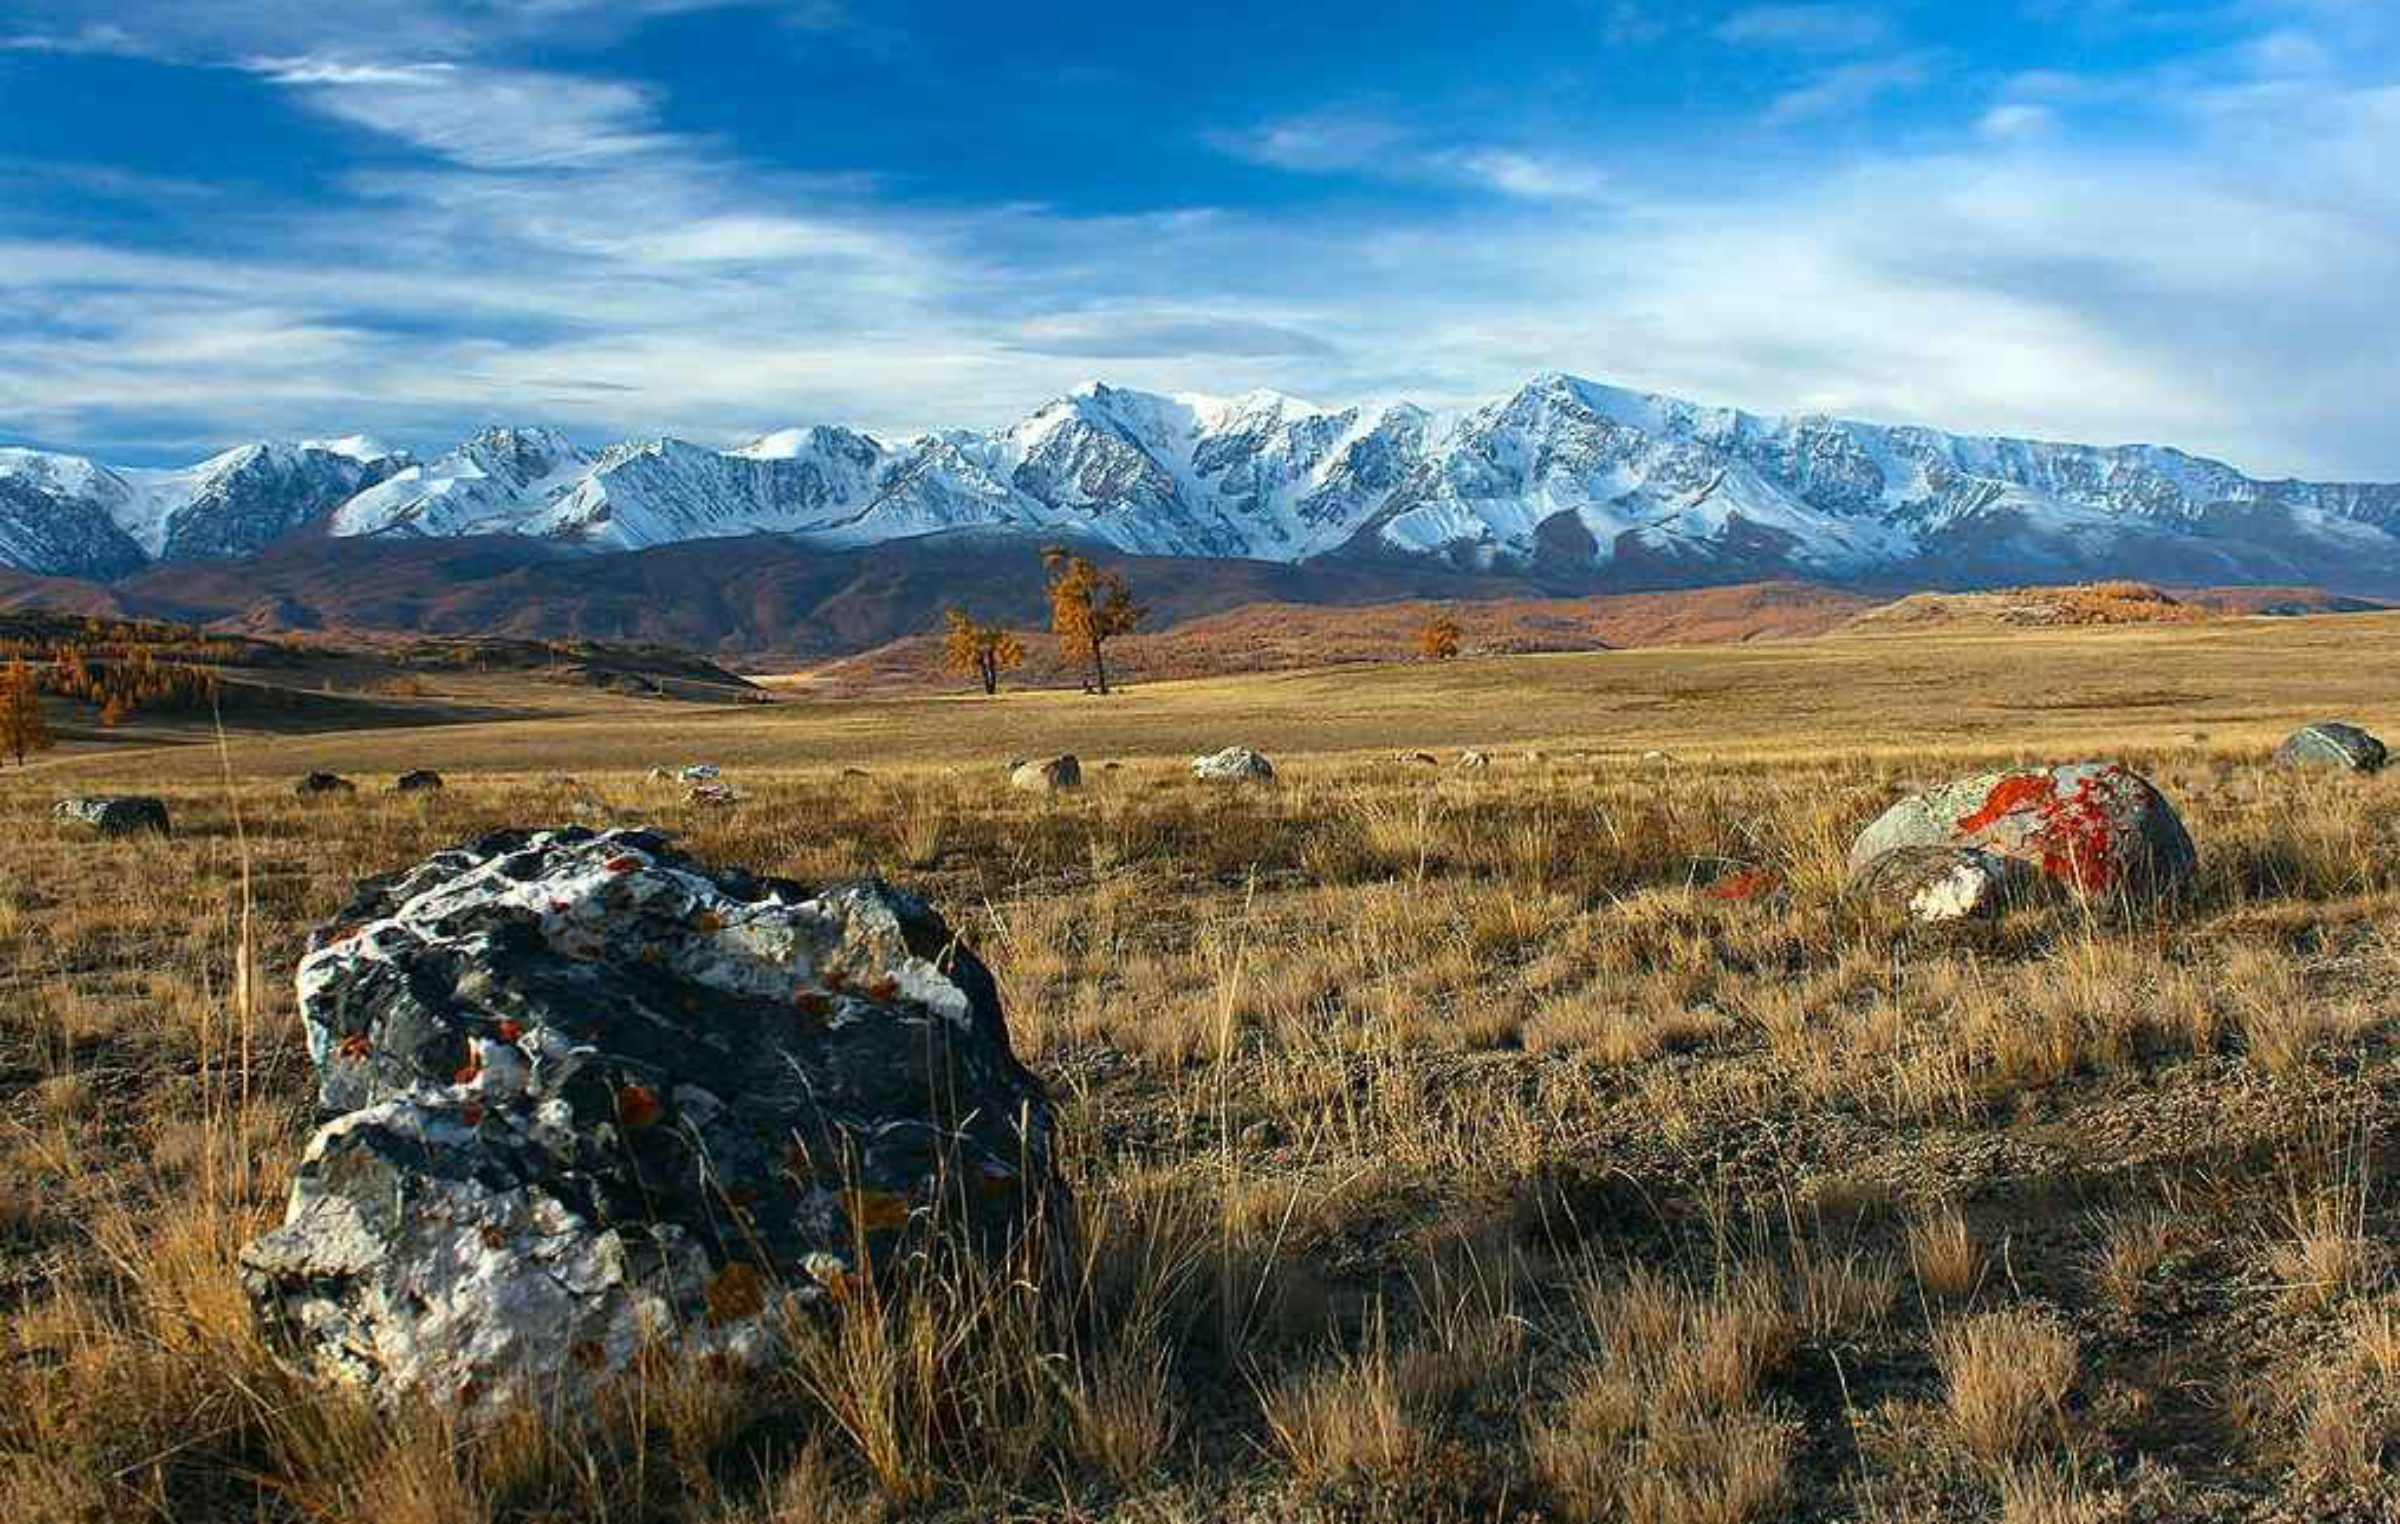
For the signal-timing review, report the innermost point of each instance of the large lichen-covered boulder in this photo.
(1235, 764)
(590, 1096)
(118, 814)
(2332, 744)
(2097, 828)
(1941, 885)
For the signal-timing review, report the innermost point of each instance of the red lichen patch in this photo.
(834, 979)
(356, 1046)
(471, 1114)
(812, 1003)
(638, 1106)
(873, 1211)
(469, 1393)
(1748, 884)
(622, 864)
(560, 907)
(511, 1030)
(468, 1073)
(708, 923)
(734, 1294)
(2011, 795)
(884, 991)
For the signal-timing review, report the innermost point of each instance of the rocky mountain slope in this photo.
(1576, 484)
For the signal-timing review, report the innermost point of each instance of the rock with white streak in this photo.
(118, 814)
(1940, 886)
(2331, 743)
(589, 1096)
(1048, 775)
(1235, 764)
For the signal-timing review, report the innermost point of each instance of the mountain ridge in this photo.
(1571, 482)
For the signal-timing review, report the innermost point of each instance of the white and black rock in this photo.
(1474, 762)
(421, 781)
(1941, 885)
(2333, 744)
(1235, 764)
(118, 814)
(1049, 775)
(588, 1095)
(324, 783)
(2097, 828)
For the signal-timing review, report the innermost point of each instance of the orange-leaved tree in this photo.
(1089, 607)
(22, 730)
(1440, 637)
(986, 650)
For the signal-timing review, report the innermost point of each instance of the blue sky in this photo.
(2117, 220)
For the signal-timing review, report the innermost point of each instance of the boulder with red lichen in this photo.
(2098, 829)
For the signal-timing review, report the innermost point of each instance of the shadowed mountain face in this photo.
(1574, 485)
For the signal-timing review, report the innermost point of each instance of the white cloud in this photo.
(1377, 147)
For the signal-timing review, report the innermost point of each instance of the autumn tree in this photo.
(22, 731)
(1089, 607)
(986, 650)
(1438, 641)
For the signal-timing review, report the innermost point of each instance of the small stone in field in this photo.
(1235, 764)
(1474, 762)
(854, 772)
(1419, 758)
(2331, 743)
(422, 781)
(1050, 775)
(1940, 885)
(2098, 828)
(118, 814)
(711, 795)
(325, 783)
(701, 772)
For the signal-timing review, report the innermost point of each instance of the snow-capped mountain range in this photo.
(1575, 480)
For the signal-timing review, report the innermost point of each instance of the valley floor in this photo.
(1445, 1148)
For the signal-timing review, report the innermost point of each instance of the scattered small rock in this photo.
(590, 1097)
(118, 814)
(2331, 743)
(710, 795)
(325, 783)
(1419, 758)
(854, 772)
(1048, 776)
(1474, 762)
(422, 781)
(1235, 764)
(701, 772)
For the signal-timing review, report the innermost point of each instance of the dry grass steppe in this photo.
(1445, 1149)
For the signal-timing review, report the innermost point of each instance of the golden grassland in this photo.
(1444, 1149)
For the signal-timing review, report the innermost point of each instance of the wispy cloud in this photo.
(1806, 28)
(1851, 87)
(1374, 146)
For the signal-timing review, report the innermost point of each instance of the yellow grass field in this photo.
(1444, 1149)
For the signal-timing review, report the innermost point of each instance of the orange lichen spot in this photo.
(651, 954)
(471, 1114)
(470, 1392)
(468, 1073)
(511, 1031)
(2014, 793)
(638, 1106)
(590, 1354)
(884, 990)
(493, 1237)
(708, 923)
(355, 1046)
(735, 1293)
(1748, 884)
(834, 979)
(622, 864)
(812, 1002)
(875, 1211)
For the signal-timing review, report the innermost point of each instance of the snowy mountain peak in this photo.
(1578, 481)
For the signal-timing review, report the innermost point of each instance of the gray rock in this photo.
(1940, 885)
(118, 814)
(716, 796)
(1235, 764)
(1049, 775)
(2097, 828)
(588, 1094)
(2332, 744)
(325, 783)
(422, 781)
